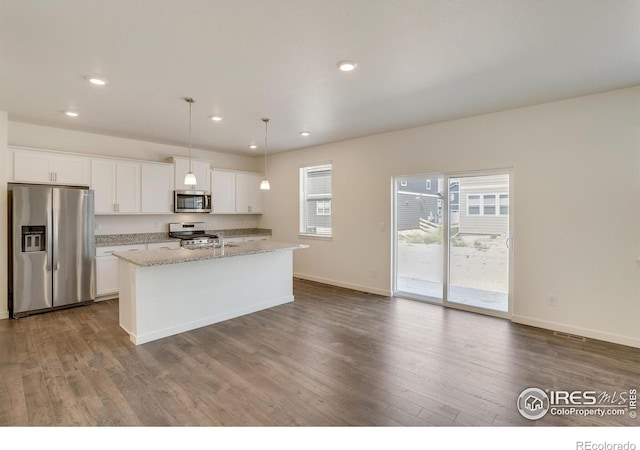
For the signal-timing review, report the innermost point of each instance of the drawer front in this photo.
(257, 238)
(163, 245)
(108, 251)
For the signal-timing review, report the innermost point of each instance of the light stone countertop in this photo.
(145, 258)
(108, 240)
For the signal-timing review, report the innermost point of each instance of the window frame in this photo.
(304, 196)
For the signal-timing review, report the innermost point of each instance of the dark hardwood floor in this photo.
(332, 357)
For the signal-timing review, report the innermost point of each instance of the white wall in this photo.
(4, 309)
(576, 175)
(37, 136)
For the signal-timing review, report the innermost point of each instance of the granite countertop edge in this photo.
(148, 258)
(109, 240)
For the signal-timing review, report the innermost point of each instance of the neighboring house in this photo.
(484, 205)
(479, 205)
(421, 199)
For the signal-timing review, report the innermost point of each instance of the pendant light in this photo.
(190, 178)
(264, 184)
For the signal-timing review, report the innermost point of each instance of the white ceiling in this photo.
(419, 62)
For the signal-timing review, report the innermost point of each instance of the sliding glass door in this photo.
(479, 242)
(420, 240)
(453, 241)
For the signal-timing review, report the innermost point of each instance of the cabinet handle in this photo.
(249, 208)
(55, 177)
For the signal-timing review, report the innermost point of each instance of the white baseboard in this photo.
(355, 287)
(4, 314)
(586, 332)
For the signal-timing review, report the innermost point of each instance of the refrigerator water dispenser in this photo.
(33, 239)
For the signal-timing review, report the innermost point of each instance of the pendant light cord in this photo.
(266, 130)
(190, 100)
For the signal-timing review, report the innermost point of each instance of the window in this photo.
(323, 208)
(504, 204)
(315, 200)
(488, 205)
(473, 205)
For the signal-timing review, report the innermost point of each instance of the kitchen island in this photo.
(169, 291)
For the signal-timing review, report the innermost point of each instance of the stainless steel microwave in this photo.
(192, 201)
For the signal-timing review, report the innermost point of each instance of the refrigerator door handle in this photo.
(49, 241)
(56, 264)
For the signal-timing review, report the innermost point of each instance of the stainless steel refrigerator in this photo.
(51, 247)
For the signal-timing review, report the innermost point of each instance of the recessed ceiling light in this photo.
(347, 66)
(253, 146)
(97, 80)
(217, 118)
(71, 113)
(304, 133)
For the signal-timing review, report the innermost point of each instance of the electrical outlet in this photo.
(553, 300)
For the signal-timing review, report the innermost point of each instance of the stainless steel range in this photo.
(192, 235)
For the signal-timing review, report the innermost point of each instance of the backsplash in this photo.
(124, 224)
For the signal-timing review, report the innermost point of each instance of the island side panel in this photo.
(173, 298)
(126, 282)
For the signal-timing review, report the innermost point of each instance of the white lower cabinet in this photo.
(107, 265)
(247, 239)
(257, 238)
(106, 275)
(232, 239)
(164, 245)
(107, 268)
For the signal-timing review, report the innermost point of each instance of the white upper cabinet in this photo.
(223, 192)
(248, 193)
(157, 188)
(200, 169)
(117, 186)
(103, 182)
(128, 186)
(33, 166)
